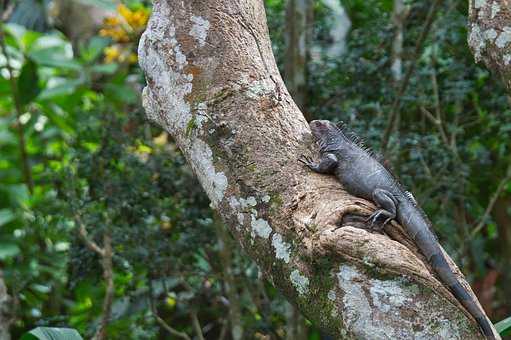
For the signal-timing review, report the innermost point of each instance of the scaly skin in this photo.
(363, 176)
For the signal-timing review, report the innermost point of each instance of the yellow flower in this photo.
(125, 12)
(104, 32)
(138, 19)
(112, 53)
(111, 21)
(132, 58)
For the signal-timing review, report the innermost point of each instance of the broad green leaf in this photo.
(15, 34)
(28, 82)
(53, 57)
(52, 333)
(6, 216)
(104, 68)
(5, 88)
(63, 88)
(57, 56)
(8, 250)
(7, 138)
(504, 326)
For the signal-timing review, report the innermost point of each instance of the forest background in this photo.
(103, 227)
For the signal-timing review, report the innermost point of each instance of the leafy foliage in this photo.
(96, 162)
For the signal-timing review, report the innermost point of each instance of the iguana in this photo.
(364, 176)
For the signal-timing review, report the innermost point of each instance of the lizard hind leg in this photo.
(387, 204)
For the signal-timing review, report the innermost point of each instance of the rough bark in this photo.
(490, 35)
(213, 84)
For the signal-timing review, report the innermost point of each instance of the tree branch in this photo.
(212, 83)
(106, 262)
(82, 231)
(488, 36)
(106, 254)
(396, 105)
(25, 164)
(491, 203)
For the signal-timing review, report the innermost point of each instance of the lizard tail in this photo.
(439, 263)
(417, 225)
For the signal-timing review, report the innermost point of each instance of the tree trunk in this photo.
(229, 280)
(399, 13)
(295, 324)
(490, 35)
(340, 26)
(298, 36)
(5, 310)
(212, 82)
(490, 41)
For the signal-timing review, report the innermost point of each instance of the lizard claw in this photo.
(373, 218)
(306, 160)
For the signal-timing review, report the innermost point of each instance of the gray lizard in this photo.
(364, 176)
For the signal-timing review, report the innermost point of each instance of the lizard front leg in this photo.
(387, 204)
(326, 165)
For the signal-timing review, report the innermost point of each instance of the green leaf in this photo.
(6, 216)
(104, 68)
(55, 43)
(8, 250)
(55, 56)
(504, 326)
(51, 333)
(63, 88)
(15, 34)
(28, 82)
(94, 49)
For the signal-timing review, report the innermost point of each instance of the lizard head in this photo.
(327, 134)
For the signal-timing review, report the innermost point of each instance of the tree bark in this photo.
(490, 35)
(212, 82)
(490, 41)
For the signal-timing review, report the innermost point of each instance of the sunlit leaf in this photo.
(55, 56)
(6, 216)
(63, 88)
(51, 333)
(8, 250)
(504, 326)
(105, 68)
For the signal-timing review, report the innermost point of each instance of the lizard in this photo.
(342, 154)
